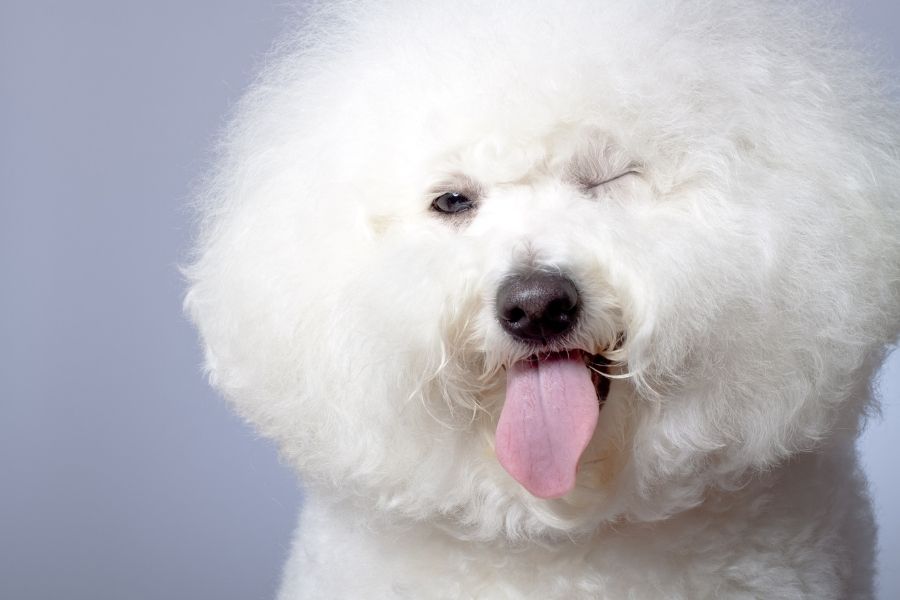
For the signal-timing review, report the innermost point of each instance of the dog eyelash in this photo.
(595, 168)
(594, 185)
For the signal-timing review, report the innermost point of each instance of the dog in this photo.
(560, 300)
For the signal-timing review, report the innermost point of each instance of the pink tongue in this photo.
(549, 417)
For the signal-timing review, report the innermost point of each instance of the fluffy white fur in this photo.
(751, 264)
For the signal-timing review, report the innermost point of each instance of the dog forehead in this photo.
(476, 69)
(561, 151)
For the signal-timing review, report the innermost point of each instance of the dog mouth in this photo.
(599, 368)
(552, 407)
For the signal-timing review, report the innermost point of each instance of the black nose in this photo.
(538, 306)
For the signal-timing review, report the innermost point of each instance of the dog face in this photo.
(522, 271)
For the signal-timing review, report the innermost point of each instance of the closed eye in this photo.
(591, 185)
(599, 163)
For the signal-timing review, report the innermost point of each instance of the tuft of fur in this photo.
(744, 277)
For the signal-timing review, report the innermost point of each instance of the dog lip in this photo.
(598, 364)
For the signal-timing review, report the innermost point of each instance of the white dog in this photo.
(560, 300)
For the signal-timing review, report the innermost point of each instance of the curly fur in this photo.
(744, 279)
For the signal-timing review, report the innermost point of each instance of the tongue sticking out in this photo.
(550, 414)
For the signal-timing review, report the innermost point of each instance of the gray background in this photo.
(122, 476)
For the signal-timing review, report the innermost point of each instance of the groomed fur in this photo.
(744, 279)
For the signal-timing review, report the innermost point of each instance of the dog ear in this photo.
(735, 395)
(740, 358)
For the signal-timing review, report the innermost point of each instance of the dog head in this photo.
(523, 270)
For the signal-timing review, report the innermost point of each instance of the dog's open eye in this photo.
(452, 202)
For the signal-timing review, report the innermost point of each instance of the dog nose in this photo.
(538, 306)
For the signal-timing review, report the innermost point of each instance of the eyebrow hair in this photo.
(596, 162)
(458, 182)
(587, 166)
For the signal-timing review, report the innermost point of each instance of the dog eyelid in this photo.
(455, 195)
(591, 170)
(592, 185)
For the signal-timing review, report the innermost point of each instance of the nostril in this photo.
(538, 306)
(561, 306)
(515, 315)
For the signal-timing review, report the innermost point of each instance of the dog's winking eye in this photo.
(601, 181)
(452, 203)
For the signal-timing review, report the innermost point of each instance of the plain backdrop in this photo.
(122, 476)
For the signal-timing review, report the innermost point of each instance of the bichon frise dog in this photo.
(560, 300)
